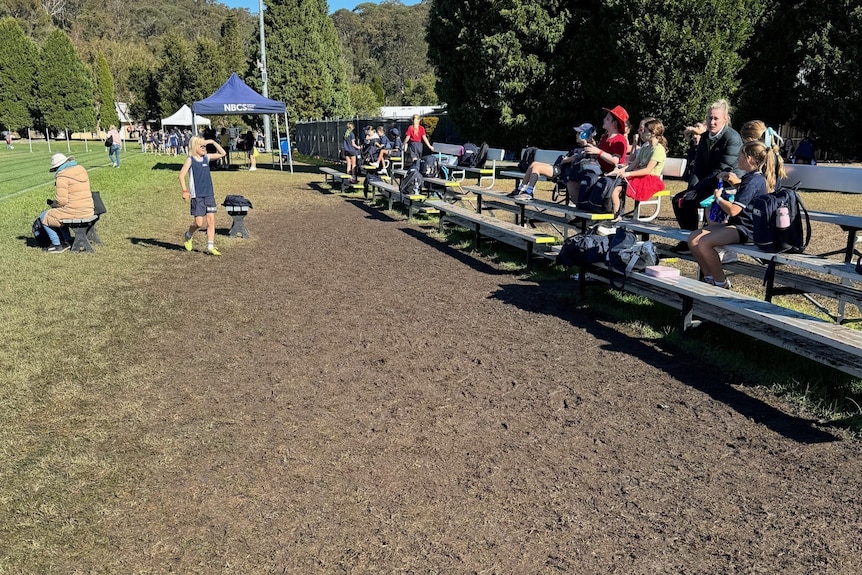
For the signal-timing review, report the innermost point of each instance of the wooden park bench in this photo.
(527, 212)
(490, 227)
(486, 174)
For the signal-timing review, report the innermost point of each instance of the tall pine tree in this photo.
(105, 93)
(64, 86)
(18, 60)
(304, 60)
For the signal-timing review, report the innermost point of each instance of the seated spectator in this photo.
(691, 135)
(738, 229)
(773, 168)
(716, 153)
(643, 173)
(567, 168)
(385, 146)
(73, 199)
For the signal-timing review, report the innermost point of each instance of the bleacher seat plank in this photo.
(491, 227)
(832, 344)
(844, 292)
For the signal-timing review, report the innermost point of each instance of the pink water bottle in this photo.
(782, 218)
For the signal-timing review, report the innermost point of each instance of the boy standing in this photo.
(200, 190)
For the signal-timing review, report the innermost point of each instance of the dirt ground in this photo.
(365, 399)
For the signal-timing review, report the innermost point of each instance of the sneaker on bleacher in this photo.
(524, 196)
(726, 257)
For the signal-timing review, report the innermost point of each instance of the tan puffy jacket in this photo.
(74, 198)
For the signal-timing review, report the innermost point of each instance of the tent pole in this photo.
(289, 146)
(277, 144)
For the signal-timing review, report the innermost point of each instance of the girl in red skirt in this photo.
(643, 172)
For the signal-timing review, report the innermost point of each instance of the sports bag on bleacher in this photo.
(428, 167)
(778, 222)
(596, 194)
(411, 183)
(590, 247)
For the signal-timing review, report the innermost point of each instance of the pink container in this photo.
(662, 271)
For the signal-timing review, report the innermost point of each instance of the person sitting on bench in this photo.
(566, 170)
(738, 228)
(73, 200)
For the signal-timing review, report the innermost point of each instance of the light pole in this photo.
(267, 133)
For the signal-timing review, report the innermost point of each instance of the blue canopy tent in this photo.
(235, 97)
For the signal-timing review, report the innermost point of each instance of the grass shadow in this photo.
(157, 243)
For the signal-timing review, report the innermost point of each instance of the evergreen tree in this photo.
(107, 111)
(208, 70)
(232, 46)
(364, 101)
(304, 60)
(175, 75)
(18, 60)
(64, 86)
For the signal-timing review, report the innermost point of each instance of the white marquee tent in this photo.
(183, 117)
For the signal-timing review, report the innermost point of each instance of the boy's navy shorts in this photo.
(203, 206)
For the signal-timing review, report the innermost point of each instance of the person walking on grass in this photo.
(200, 190)
(114, 148)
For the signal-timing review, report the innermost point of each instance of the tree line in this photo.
(515, 72)
(509, 72)
(162, 54)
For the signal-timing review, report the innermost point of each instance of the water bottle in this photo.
(782, 218)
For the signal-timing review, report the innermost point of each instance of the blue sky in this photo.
(334, 5)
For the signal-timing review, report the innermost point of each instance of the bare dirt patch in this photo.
(344, 394)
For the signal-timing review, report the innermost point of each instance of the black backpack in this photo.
(527, 158)
(588, 180)
(777, 222)
(596, 193)
(584, 249)
(40, 234)
(428, 166)
(109, 142)
(411, 183)
(468, 156)
(481, 156)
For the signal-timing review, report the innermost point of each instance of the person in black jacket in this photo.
(717, 152)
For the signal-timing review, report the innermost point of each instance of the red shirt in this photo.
(616, 145)
(415, 135)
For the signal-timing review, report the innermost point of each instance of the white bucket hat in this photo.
(58, 160)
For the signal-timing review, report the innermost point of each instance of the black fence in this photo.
(322, 138)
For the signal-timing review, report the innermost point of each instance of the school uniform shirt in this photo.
(200, 182)
(752, 185)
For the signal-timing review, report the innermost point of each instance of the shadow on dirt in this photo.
(462, 256)
(541, 299)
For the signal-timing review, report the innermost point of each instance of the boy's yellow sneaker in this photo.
(213, 252)
(188, 244)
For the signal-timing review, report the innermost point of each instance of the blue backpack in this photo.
(777, 222)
